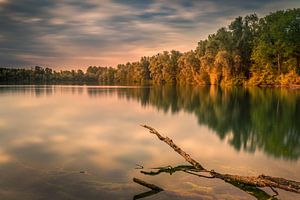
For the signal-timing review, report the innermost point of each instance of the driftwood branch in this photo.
(236, 180)
(170, 170)
(154, 189)
(145, 194)
(148, 185)
(252, 190)
(167, 140)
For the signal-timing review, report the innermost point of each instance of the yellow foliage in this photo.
(289, 78)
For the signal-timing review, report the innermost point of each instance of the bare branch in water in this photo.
(171, 170)
(148, 185)
(241, 182)
(167, 140)
(145, 194)
(252, 190)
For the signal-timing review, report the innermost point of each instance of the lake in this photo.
(85, 142)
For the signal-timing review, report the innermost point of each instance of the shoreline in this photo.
(286, 86)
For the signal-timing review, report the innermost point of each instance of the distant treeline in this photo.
(47, 75)
(249, 51)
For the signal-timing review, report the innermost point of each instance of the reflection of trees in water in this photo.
(265, 119)
(250, 119)
(40, 90)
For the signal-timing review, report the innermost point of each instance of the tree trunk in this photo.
(298, 64)
(279, 63)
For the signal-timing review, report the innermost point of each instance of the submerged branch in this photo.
(252, 190)
(246, 183)
(145, 194)
(170, 170)
(148, 185)
(154, 189)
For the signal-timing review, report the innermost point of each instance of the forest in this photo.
(249, 51)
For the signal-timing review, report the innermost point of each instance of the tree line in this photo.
(249, 51)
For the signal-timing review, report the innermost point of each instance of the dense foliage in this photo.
(249, 51)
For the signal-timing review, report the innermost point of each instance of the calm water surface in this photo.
(82, 142)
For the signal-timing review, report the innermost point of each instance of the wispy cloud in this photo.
(75, 33)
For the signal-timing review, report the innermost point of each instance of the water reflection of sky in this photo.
(49, 134)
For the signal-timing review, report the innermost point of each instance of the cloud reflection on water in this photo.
(70, 129)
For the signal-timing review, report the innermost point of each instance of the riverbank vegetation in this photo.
(250, 51)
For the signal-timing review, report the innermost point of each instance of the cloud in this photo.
(74, 33)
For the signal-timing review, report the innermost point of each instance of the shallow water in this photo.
(83, 142)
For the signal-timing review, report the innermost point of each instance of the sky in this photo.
(65, 34)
